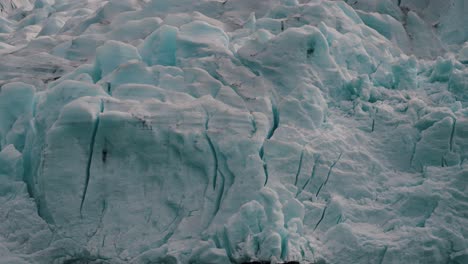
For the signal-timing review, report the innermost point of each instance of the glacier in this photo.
(233, 131)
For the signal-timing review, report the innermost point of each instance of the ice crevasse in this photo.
(139, 131)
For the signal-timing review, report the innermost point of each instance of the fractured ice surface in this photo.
(233, 131)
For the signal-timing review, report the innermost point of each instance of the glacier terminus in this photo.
(233, 131)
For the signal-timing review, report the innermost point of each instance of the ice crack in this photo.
(312, 175)
(328, 175)
(90, 157)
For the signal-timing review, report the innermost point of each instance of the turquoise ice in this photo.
(233, 131)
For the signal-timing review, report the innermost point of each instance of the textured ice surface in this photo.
(231, 131)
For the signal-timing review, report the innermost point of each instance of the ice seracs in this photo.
(233, 131)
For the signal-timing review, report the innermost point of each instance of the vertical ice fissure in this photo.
(265, 170)
(452, 133)
(413, 153)
(109, 88)
(219, 198)
(213, 152)
(373, 118)
(216, 171)
(328, 175)
(270, 134)
(171, 228)
(339, 219)
(383, 255)
(254, 123)
(276, 119)
(103, 209)
(299, 168)
(90, 157)
(321, 217)
(312, 175)
(227, 245)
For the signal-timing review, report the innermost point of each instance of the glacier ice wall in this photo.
(231, 131)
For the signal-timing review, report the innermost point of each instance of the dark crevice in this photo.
(171, 231)
(413, 153)
(276, 119)
(312, 175)
(444, 162)
(254, 124)
(321, 217)
(104, 155)
(213, 152)
(230, 179)
(86, 260)
(227, 245)
(374, 71)
(328, 175)
(271, 132)
(219, 197)
(452, 133)
(339, 219)
(90, 157)
(332, 166)
(373, 119)
(265, 169)
(50, 79)
(261, 151)
(383, 255)
(103, 210)
(109, 88)
(310, 52)
(218, 76)
(216, 171)
(104, 152)
(299, 168)
(215, 159)
(284, 247)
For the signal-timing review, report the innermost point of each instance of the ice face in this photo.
(233, 131)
